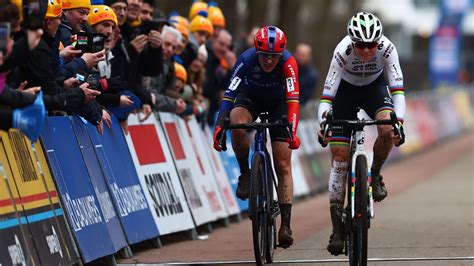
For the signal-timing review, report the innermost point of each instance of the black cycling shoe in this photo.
(285, 240)
(242, 191)
(336, 244)
(378, 187)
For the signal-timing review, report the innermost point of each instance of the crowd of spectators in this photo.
(98, 58)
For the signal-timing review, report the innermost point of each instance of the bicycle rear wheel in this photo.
(359, 230)
(256, 202)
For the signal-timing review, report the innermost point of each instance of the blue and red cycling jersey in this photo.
(281, 84)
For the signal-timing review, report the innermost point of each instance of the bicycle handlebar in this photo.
(360, 123)
(255, 125)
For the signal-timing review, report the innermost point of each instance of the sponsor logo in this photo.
(291, 70)
(387, 100)
(83, 211)
(129, 199)
(165, 199)
(290, 86)
(234, 84)
(105, 205)
(340, 58)
(190, 188)
(380, 47)
(396, 74)
(53, 243)
(16, 253)
(361, 141)
(388, 51)
(332, 79)
(238, 68)
(349, 50)
(213, 200)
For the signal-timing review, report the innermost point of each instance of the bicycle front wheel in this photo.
(256, 208)
(270, 244)
(361, 218)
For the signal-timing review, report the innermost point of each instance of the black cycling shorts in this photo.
(373, 98)
(275, 111)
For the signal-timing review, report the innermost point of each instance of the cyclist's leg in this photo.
(282, 163)
(241, 114)
(378, 105)
(343, 108)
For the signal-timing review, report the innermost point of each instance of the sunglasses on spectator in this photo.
(363, 45)
(272, 56)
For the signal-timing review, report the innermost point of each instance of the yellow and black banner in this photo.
(29, 204)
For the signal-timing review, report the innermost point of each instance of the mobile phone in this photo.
(150, 25)
(81, 76)
(82, 42)
(96, 42)
(33, 13)
(4, 34)
(93, 81)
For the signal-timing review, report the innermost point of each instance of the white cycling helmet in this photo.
(364, 27)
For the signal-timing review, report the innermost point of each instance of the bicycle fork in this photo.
(360, 150)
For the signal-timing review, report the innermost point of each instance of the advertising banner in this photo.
(200, 149)
(97, 181)
(16, 246)
(122, 180)
(82, 207)
(220, 173)
(233, 171)
(158, 176)
(39, 201)
(194, 184)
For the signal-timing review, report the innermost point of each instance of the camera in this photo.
(90, 42)
(4, 34)
(33, 13)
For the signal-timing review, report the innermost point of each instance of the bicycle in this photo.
(263, 208)
(360, 203)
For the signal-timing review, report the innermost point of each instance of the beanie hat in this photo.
(72, 4)
(54, 9)
(101, 13)
(201, 23)
(181, 72)
(175, 18)
(196, 7)
(215, 15)
(182, 29)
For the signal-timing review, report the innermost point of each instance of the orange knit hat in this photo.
(54, 9)
(215, 15)
(72, 4)
(181, 72)
(201, 23)
(196, 7)
(101, 13)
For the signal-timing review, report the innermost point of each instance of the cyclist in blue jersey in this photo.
(264, 79)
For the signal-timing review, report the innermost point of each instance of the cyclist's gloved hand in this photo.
(218, 131)
(295, 143)
(30, 119)
(402, 135)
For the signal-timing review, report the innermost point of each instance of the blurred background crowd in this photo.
(101, 57)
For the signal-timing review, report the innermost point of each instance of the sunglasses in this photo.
(363, 45)
(272, 56)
